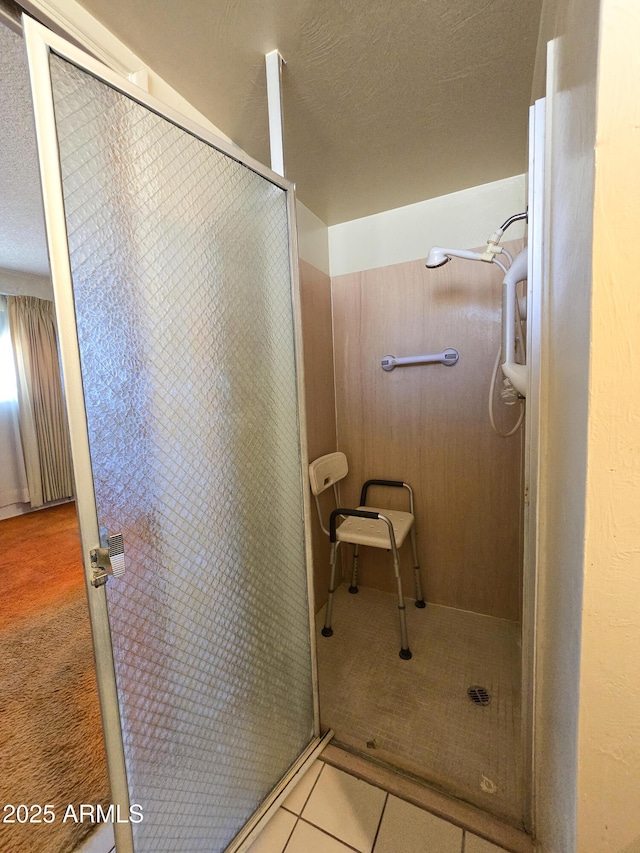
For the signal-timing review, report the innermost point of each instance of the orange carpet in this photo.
(40, 561)
(51, 748)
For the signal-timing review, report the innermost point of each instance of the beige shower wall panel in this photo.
(428, 425)
(320, 401)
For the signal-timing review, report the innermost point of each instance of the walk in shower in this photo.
(189, 443)
(451, 716)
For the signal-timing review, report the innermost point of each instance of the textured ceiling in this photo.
(386, 102)
(22, 237)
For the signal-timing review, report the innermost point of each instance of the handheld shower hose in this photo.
(439, 256)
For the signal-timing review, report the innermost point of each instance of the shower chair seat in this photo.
(373, 527)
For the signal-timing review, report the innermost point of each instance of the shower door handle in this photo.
(108, 558)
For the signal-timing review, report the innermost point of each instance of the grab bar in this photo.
(448, 356)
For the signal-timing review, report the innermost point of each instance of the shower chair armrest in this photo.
(396, 484)
(357, 513)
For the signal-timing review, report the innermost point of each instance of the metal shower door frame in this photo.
(40, 42)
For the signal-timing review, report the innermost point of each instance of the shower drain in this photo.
(479, 695)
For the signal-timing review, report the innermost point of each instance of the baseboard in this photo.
(16, 509)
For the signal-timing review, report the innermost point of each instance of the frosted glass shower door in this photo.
(172, 266)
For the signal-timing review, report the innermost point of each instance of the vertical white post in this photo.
(538, 224)
(274, 63)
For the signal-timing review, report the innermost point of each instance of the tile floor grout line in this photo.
(375, 837)
(331, 835)
(298, 816)
(290, 810)
(295, 823)
(464, 840)
(313, 787)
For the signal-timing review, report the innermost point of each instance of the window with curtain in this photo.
(43, 424)
(13, 478)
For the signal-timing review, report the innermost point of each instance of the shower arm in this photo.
(517, 217)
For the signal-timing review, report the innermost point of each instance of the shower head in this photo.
(438, 256)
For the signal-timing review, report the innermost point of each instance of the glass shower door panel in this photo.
(182, 289)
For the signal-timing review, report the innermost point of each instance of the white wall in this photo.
(463, 219)
(608, 808)
(313, 239)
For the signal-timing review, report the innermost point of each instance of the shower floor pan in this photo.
(417, 715)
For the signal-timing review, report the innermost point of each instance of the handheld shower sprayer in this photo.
(438, 256)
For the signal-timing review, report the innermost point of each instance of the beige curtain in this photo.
(43, 424)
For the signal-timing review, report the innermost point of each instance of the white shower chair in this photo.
(365, 525)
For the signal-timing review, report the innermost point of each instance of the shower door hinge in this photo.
(108, 559)
(100, 563)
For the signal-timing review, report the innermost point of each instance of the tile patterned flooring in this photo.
(332, 812)
(415, 715)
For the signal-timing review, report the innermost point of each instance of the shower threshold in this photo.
(419, 793)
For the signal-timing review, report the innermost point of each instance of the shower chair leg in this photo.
(420, 602)
(354, 573)
(327, 631)
(405, 651)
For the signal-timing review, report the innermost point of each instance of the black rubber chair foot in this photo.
(353, 590)
(327, 632)
(421, 603)
(405, 654)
